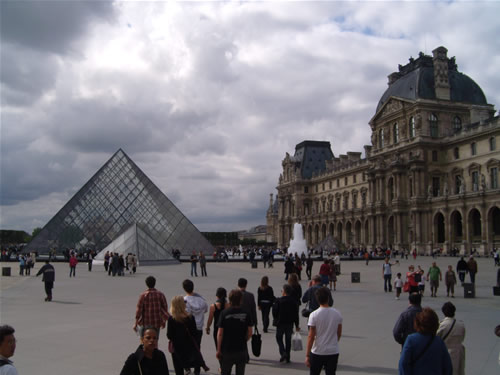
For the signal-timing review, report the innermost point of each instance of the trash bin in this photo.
(355, 277)
(5, 271)
(254, 264)
(469, 290)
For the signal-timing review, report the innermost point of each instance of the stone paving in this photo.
(87, 329)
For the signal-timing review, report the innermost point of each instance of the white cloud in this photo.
(208, 97)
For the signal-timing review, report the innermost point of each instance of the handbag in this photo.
(297, 342)
(406, 287)
(306, 311)
(256, 342)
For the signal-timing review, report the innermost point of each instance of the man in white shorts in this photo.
(325, 329)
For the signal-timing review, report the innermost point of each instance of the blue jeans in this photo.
(287, 331)
(72, 271)
(193, 270)
(387, 281)
(328, 362)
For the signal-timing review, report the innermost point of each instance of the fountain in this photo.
(297, 244)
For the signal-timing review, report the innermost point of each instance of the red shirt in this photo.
(325, 269)
(152, 309)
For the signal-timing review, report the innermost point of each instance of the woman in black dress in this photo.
(181, 331)
(214, 313)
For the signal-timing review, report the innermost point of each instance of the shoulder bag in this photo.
(256, 342)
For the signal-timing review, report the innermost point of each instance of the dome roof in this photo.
(416, 81)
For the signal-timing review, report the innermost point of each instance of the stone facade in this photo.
(428, 181)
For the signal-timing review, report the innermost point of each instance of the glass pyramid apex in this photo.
(117, 196)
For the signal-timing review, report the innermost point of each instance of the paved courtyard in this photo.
(87, 329)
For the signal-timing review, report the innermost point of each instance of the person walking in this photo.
(285, 315)
(309, 296)
(324, 271)
(90, 260)
(235, 329)
(196, 306)
(203, 264)
(404, 324)
(309, 266)
(452, 332)
(248, 304)
(450, 280)
(462, 269)
(434, 276)
(49, 276)
(423, 352)
(265, 300)
(214, 314)
(152, 308)
(410, 279)
(289, 266)
(147, 359)
(194, 261)
(293, 281)
(325, 330)
(72, 265)
(182, 331)
(472, 267)
(7, 349)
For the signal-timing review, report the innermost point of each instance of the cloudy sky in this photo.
(206, 97)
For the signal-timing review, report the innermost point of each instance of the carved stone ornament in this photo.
(391, 107)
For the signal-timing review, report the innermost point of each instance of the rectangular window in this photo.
(475, 181)
(306, 189)
(330, 185)
(354, 178)
(316, 187)
(434, 155)
(473, 148)
(410, 182)
(494, 178)
(338, 182)
(435, 186)
(345, 181)
(323, 186)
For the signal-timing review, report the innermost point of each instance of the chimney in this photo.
(441, 81)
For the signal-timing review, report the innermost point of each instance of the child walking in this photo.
(398, 285)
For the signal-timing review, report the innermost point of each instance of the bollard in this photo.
(469, 290)
(355, 277)
(5, 271)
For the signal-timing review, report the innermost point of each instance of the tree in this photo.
(35, 232)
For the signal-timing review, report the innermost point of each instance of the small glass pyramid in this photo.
(118, 196)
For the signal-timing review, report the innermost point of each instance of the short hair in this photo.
(5, 330)
(150, 281)
(287, 288)
(317, 279)
(221, 293)
(449, 309)
(415, 299)
(322, 295)
(426, 322)
(235, 297)
(188, 286)
(147, 328)
(242, 282)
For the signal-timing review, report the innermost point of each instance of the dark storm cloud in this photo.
(50, 26)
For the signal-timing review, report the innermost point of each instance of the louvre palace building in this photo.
(428, 181)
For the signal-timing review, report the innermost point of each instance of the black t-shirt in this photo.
(235, 323)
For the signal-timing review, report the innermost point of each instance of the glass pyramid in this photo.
(136, 241)
(116, 197)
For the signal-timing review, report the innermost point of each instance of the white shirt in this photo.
(8, 369)
(326, 320)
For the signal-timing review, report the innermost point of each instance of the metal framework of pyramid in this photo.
(118, 196)
(137, 241)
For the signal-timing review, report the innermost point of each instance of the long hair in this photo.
(264, 282)
(293, 279)
(178, 308)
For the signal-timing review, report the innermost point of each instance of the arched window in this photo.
(381, 138)
(433, 125)
(395, 131)
(457, 124)
(411, 127)
(493, 144)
